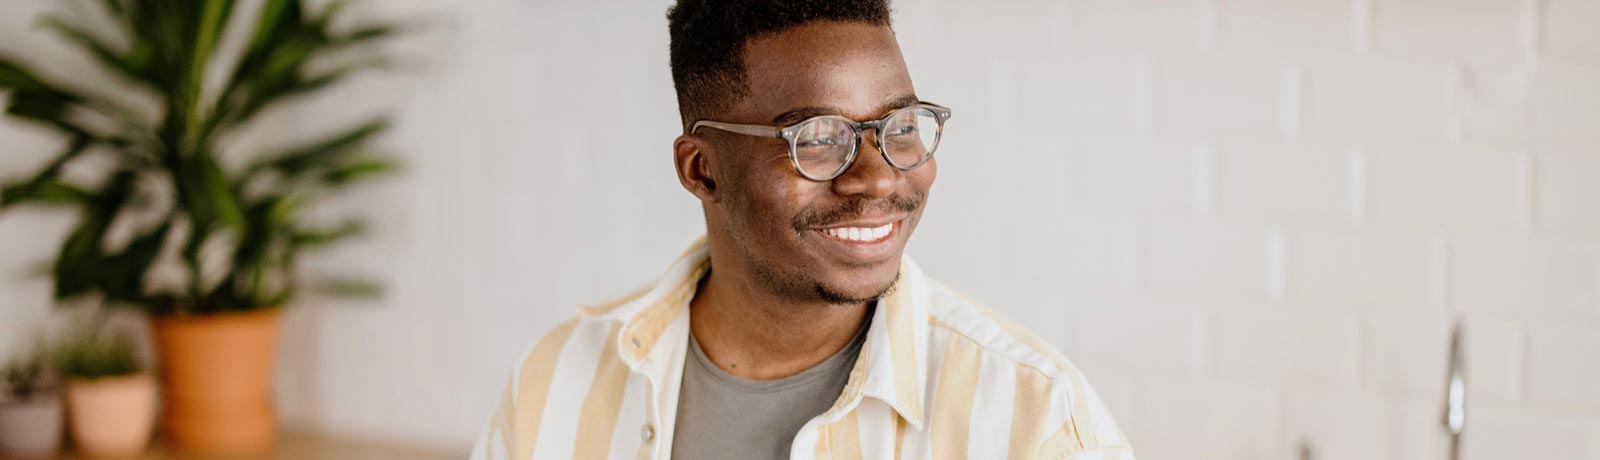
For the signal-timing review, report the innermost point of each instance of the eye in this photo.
(818, 141)
(903, 130)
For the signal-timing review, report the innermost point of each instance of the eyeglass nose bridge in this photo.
(860, 128)
(877, 130)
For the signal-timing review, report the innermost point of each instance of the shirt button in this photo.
(647, 432)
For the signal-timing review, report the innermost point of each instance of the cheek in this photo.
(767, 195)
(924, 175)
(784, 196)
(921, 180)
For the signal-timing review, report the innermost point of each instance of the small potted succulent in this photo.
(30, 408)
(111, 400)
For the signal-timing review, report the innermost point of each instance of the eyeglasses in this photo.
(823, 147)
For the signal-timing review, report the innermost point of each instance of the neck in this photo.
(754, 334)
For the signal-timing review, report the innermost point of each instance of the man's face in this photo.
(792, 231)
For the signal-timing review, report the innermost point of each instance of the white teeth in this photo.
(860, 234)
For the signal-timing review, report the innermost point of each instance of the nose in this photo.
(870, 174)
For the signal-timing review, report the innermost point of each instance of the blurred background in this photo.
(1251, 222)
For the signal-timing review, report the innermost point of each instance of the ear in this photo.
(694, 167)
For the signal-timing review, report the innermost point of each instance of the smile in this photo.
(861, 235)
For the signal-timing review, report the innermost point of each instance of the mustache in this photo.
(857, 207)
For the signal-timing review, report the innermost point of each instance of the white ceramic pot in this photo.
(111, 417)
(31, 429)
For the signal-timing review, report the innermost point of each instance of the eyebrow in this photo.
(801, 113)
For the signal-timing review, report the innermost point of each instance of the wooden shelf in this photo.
(306, 446)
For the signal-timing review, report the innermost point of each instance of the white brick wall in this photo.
(1379, 269)
(1251, 222)
(1569, 27)
(1359, 425)
(1553, 379)
(1277, 210)
(1289, 347)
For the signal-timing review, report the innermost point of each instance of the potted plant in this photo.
(111, 401)
(30, 408)
(233, 233)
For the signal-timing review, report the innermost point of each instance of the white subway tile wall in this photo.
(1251, 222)
(1274, 212)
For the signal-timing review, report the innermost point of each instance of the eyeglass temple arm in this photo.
(753, 130)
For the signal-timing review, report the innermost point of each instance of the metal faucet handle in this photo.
(1455, 403)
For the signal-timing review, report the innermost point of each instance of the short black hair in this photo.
(708, 39)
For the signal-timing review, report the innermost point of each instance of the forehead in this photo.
(853, 67)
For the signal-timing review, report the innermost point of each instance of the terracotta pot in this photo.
(111, 417)
(31, 428)
(216, 371)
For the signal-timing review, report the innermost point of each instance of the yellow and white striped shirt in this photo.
(940, 377)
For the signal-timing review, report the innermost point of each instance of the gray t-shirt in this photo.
(721, 416)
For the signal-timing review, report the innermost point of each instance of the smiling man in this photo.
(797, 328)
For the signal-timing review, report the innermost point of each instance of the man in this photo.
(796, 328)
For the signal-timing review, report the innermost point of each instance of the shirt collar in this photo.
(892, 366)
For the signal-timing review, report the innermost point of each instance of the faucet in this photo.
(1455, 402)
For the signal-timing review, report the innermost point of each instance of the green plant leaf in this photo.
(351, 287)
(306, 238)
(274, 79)
(14, 76)
(278, 19)
(282, 211)
(250, 257)
(198, 233)
(77, 269)
(212, 19)
(49, 107)
(124, 272)
(208, 193)
(358, 170)
(45, 187)
(48, 191)
(366, 34)
(157, 38)
(280, 22)
(126, 64)
(114, 8)
(33, 99)
(320, 153)
(219, 191)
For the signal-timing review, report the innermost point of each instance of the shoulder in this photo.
(954, 312)
(1067, 413)
(585, 334)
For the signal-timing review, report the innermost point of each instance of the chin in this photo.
(858, 290)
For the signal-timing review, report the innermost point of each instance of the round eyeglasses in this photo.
(823, 147)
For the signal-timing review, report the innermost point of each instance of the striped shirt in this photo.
(940, 377)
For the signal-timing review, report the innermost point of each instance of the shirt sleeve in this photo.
(1106, 453)
(1088, 432)
(494, 441)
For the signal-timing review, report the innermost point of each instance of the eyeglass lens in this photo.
(823, 146)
